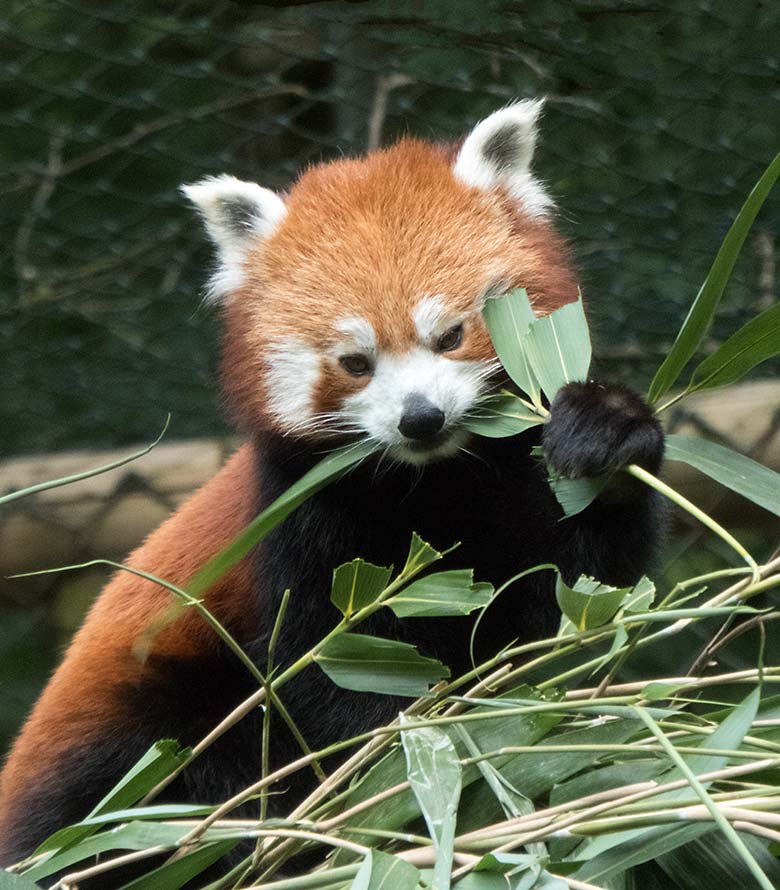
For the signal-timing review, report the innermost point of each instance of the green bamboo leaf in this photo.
(512, 802)
(508, 318)
(710, 863)
(607, 854)
(443, 593)
(371, 664)
(484, 880)
(130, 836)
(616, 855)
(154, 811)
(589, 603)
(641, 596)
(516, 729)
(753, 481)
(605, 778)
(329, 468)
(156, 764)
(701, 312)
(15, 882)
(421, 555)
(498, 880)
(521, 871)
(727, 737)
(724, 825)
(502, 415)
(525, 869)
(558, 348)
(381, 871)
(574, 495)
(357, 584)
(618, 641)
(661, 691)
(533, 775)
(434, 772)
(753, 343)
(173, 875)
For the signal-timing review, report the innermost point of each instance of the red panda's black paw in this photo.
(597, 428)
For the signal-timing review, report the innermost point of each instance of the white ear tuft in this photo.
(498, 153)
(237, 215)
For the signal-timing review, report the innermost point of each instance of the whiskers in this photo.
(326, 423)
(487, 370)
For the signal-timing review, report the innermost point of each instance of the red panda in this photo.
(352, 309)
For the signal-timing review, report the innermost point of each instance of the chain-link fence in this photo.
(660, 117)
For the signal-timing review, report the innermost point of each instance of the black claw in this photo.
(598, 428)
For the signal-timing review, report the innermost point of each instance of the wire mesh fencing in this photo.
(660, 117)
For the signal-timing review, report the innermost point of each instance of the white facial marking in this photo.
(358, 334)
(432, 318)
(293, 373)
(237, 215)
(450, 385)
(498, 153)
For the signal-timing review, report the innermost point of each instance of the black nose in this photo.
(421, 419)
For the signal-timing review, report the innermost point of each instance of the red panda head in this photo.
(353, 303)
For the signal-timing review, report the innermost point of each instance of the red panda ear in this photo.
(237, 215)
(498, 154)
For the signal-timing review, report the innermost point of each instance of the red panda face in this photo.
(353, 306)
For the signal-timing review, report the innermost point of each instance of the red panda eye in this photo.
(450, 339)
(357, 365)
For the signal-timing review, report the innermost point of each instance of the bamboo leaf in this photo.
(609, 854)
(371, 664)
(616, 854)
(660, 691)
(421, 555)
(618, 641)
(434, 772)
(701, 312)
(444, 593)
(329, 468)
(518, 729)
(15, 882)
(754, 343)
(521, 871)
(753, 481)
(710, 863)
(502, 415)
(574, 495)
(533, 775)
(727, 737)
(589, 603)
(158, 762)
(641, 597)
(512, 802)
(175, 874)
(484, 880)
(130, 836)
(381, 871)
(357, 584)
(508, 318)
(727, 829)
(558, 348)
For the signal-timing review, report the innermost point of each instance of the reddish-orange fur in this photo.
(81, 698)
(435, 235)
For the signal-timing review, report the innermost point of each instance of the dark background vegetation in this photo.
(660, 118)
